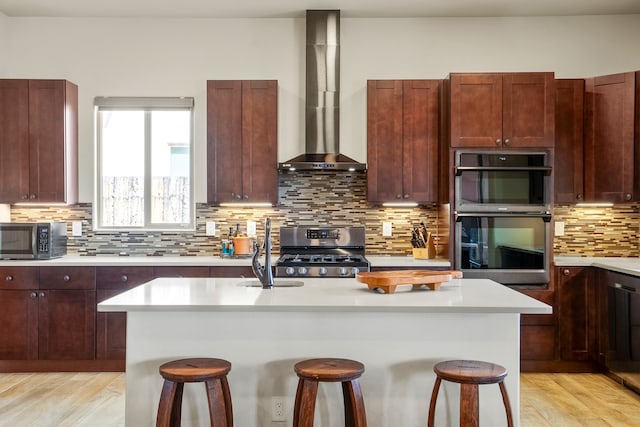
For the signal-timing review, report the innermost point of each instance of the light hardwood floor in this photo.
(97, 400)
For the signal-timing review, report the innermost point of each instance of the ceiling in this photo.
(296, 8)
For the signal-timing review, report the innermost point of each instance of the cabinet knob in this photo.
(627, 196)
(32, 196)
(579, 196)
(246, 196)
(33, 295)
(398, 196)
(66, 277)
(498, 141)
(41, 294)
(238, 196)
(8, 278)
(507, 141)
(406, 196)
(124, 278)
(566, 272)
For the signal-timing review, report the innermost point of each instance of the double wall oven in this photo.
(502, 214)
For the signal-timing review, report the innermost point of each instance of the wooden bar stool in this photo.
(313, 371)
(212, 372)
(469, 374)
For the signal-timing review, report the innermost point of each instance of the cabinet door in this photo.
(476, 110)
(111, 328)
(420, 140)
(609, 148)
(528, 110)
(14, 140)
(577, 314)
(384, 140)
(259, 161)
(66, 324)
(53, 130)
(224, 141)
(18, 325)
(568, 156)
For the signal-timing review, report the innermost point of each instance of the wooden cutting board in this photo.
(387, 281)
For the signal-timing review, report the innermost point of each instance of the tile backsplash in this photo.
(321, 198)
(306, 198)
(598, 232)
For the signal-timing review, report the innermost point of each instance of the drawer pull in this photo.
(8, 278)
(66, 277)
(124, 278)
(32, 295)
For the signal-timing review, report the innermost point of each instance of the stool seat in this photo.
(212, 372)
(329, 370)
(313, 371)
(469, 374)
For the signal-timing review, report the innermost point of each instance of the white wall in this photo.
(117, 57)
(3, 41)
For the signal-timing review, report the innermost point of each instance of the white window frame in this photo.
(146, 104)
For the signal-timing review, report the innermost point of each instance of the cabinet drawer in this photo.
(187, 271)
(67, 278)
(122, 277)
(18, 277)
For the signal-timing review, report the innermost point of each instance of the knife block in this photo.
(426, 253)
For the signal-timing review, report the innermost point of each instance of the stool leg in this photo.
(468, 405)
(218, 410)
(507, 405)
(354, 413)
(432, 404)
(305, 405)
(170, 406)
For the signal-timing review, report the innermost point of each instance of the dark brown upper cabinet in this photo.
(611, 138)
(38, 141)
(568, 158)
(510, 110)
(402, 140)
(242, 141)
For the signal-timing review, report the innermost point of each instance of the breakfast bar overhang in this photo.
(399, 337)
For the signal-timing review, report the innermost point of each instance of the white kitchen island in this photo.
(263, 333)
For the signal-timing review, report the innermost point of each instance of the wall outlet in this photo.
(278, 409)
(251, 228)
(210, 228)
(387, 229)
(559, 228)
(76, 228)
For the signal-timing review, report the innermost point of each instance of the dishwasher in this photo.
(623, 355)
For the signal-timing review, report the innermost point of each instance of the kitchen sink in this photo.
(276, 284)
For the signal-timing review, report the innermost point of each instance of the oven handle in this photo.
(460, 169)
(544, 217)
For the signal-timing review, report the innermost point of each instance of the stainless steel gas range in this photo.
(321, 252)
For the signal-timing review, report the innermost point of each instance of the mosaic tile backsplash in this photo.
(318, 198)
(326, 198)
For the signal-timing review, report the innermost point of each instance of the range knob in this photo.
(343, 271)
(290, 271)
(323, 271)
(303, 271)
(354, 271)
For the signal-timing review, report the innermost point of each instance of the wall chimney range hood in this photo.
(322, 112)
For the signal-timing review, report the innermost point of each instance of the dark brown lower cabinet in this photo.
(538, 333)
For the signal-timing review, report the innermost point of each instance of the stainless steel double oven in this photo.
(502, 213)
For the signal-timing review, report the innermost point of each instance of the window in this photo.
(144, 163)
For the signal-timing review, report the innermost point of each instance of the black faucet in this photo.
(263, 273)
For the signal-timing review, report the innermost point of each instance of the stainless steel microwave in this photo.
(33, 240)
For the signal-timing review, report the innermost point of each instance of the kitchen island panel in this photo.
(398, 349)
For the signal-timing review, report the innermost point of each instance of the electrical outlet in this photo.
(559, 228)
(387, 229)
(251, 228)
(76, 228)
(210, 229)
(278, 410)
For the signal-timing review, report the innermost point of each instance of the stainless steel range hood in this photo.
(322, 112)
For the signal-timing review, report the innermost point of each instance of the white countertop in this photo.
(228, 294)
(208, 261)
(622, 265)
